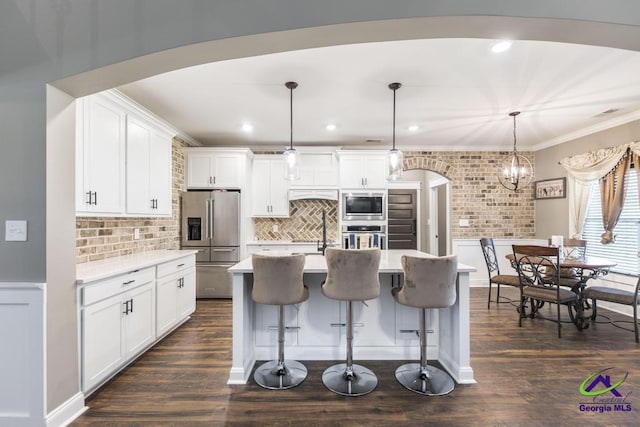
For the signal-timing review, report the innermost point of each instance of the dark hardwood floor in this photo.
(525, 377)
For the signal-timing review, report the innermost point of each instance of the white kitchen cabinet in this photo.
(317, 170)
(116, 329)
(364, 169)
(269, 188)
(215, 168)
(100, 156)
(176, 293)
(319, 322)
(408, 326)
(148, 169)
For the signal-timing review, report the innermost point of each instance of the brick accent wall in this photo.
(476, 194)
(106, 237)
(305, 222)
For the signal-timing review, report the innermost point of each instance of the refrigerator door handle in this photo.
(222, 249)
(206, 219)
(212, 216)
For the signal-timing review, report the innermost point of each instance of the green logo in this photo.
(597, 378)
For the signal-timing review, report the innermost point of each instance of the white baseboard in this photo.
(64, 414)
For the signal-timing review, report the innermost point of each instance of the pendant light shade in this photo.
(515, 170)
(291, 156)
(395, 157)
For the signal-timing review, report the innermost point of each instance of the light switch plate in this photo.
(15, 231)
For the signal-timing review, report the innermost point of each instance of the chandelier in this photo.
(515, 170)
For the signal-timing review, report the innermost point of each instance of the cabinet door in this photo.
(139, 200)
(160, 185)
(319, 321)
(260, 183)
(279, 189)
(408, 326)
(103, 344)
(374, 324)
(199, 170)
(351, 175)
(166, 306)
(375, 171)
(140, 321)
(187, 293)
(226, 170)
(103, 146)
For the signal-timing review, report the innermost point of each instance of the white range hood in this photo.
(313, 194)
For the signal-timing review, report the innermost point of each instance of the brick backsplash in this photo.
(304, 223)
(107, 237)
(476, 194)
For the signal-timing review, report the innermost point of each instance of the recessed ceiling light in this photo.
(501, 47)
(331, 127)
(413, 128)
(247, 127)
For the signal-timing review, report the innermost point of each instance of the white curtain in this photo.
(582, 171)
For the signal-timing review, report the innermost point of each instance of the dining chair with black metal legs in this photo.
(617, 296)
(533, 264)
(489, 252)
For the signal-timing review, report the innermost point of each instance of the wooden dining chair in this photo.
(489, 252)
(533, 264)
(617, 296)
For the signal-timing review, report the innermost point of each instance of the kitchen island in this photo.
(383, 329)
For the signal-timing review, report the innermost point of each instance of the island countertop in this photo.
(389, 262)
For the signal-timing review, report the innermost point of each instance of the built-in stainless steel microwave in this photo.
(363, 206)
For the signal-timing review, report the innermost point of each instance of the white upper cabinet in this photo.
(269, 189)
(215, 168)
(363, 169)
(123, 159)
(100, 155)
(317, 170)
(148, 169)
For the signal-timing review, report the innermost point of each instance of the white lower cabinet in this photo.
(176, 293)
(115, 330)
(267, 325)
(123, 315)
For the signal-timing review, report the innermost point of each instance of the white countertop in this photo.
(389, 262)
(287, 242)
(101, 269)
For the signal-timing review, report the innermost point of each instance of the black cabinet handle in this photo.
(95, 198)
(128, 282)
(181, 265)
(131, 309)
(126, 307)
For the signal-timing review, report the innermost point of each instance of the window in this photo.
(627, 245)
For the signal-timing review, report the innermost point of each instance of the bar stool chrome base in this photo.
(428, 381)
(357, 381)
(275, 376)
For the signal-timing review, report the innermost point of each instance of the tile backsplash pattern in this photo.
(304, 223)
(107, 237)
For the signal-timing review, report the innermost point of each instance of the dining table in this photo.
(584, 269)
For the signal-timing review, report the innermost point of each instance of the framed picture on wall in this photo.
(555, 188)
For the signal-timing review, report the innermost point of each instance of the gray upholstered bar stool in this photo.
(277, 280)
(428, 283)
(352, 275)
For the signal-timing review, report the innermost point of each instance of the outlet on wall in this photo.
(275, 228)
(136, 234)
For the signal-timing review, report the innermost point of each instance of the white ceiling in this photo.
(457, 91)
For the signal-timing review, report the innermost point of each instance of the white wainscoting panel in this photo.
(22, 355)
(469, 252)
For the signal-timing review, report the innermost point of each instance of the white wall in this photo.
(45, 41)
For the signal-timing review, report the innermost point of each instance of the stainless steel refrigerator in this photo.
(211, 224)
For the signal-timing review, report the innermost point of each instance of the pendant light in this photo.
(395, 156)
(515, 170)
(291, 156)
